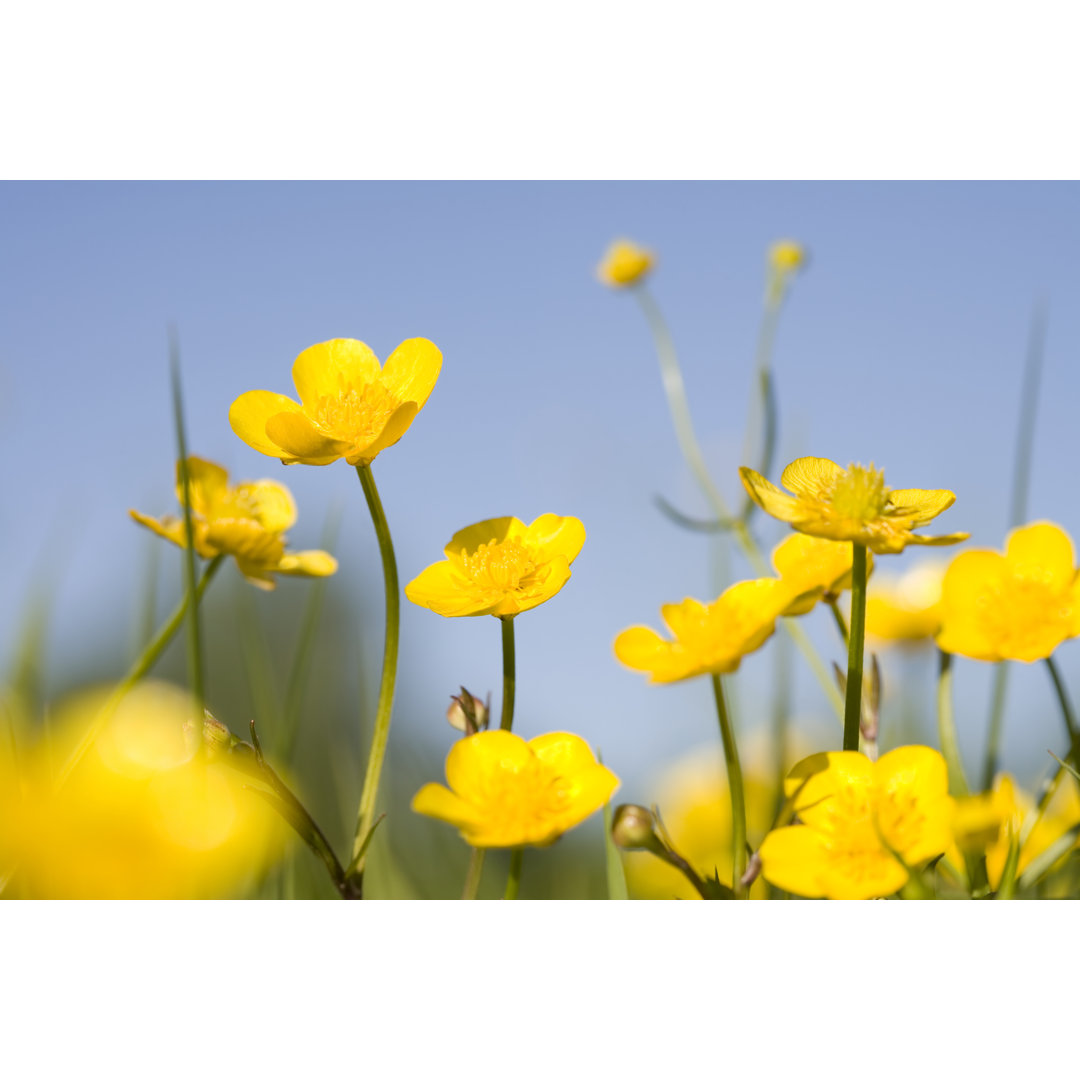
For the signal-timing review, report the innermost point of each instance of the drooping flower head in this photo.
(813, 569)
(860, 823)
(786, 259)
(246, 520)
(1018, 606)
(624, 264)
(500, 567)
(906, 609)
(709, 639)
(349, 408)
(850, 504)
(506, 792)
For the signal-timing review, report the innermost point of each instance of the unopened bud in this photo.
(216, 737)
(468, 713)
(633, 828)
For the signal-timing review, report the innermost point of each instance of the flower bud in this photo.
(216, 737)
(468, 713)
(633, 828)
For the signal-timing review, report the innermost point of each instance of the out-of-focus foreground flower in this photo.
(247, 521)
(860, 823)
(709, 639)
(850, 504)
(144, 814)
(349, 408)
(1018, 606)
(813, 569)
(905, 609)
(624, 264)
(500, 567)
(505, 792)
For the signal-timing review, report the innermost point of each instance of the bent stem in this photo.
(1066, 711)
(513, 880)
(384, 708)
(735, 784)
(856, 633)
(950, 748)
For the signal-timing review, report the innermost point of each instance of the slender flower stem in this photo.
(841, 623)
(1067, 711)
(950, 748)
(853, 702)
(735, 784)
(766, 392)
(384, 708)
(513, 881)
(474, 874)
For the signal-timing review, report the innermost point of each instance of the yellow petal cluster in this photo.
(506, 792)
(349, 408)
(709, 639)
(851, 504)
(500, 567)
(1018, 606)
(624, 264)
(813, 568)
(247, 521)
(142, 815)
(786, 256)
(860, 822)
(906, 609)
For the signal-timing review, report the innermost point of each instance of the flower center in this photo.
(502, 565)
(355, 414)
(860, 493)
(525, 798)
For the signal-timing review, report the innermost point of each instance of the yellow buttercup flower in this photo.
(787, 256)
(350, 407)
(144, 814)
(984, 822)
(247, 521)
(813, 569)
(1018, 606)
(500, 567)
(906, 609)
(860, 823)
(710, 639)
(850, 504)
(506, 792)
(624, 263)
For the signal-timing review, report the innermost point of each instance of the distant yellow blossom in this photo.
(850, 504)
(350, 407)
(813, 569)
(710, 639)
(500, 567)
(906, 609)
(247, 521)
(144, 814)
(786, 256)
(860, 823)
(506, 792)
(624, 263)
(1018, 606)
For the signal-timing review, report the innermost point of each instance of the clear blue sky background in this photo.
(902, 344)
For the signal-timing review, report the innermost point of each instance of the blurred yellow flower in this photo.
(500, 567)
(506, 792)
(850, 504)
(1018, 606)
(143, 814)
(624, 263)
(786, 256)
(858, 820)
(349, 407)
(247, 521)
(906, 609)
(813, 568)
(710, 639)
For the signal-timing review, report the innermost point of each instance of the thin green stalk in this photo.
(766, 393)
(258, 661)
(148, 610)
(856, 634)
(950, 747)
(1066, 711)
(841, 623)
(474, 874)
(194, 648)
(513, 880)
(1021, 481)
(735, 784)
(384, 708)
(781, 712)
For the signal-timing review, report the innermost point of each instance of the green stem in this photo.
(950, 747)
(475, 873)
(853, 702)
(841, 624)
(994, 732)
(767, 394)
(1066, 711)
(509, 679)
(735, 784)
(141, 666)
(384, 708)
(513, 880)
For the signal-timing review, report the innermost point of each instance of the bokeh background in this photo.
(902, 343)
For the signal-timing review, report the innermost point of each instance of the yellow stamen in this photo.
(355, 415)
(499, 565)
(860, 493)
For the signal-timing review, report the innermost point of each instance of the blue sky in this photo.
(901, 344)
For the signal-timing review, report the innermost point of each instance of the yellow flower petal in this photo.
(169, 528)
(436, 801)
(641, 648)
(208, 483)
(768, 496)
(810, 475)
(270, 503)
(624, 263)
(332, 368)
(248, 416)
(921, 505)
(491, 531)
(439, 589)
(791, 858)
(298, 438)
(472, 759)
(307, 564)
(556, 535)
(399, 422)
(914, 811)
(411, 371)
(1044, 552)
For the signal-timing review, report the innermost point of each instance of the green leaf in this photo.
(1007, 887)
